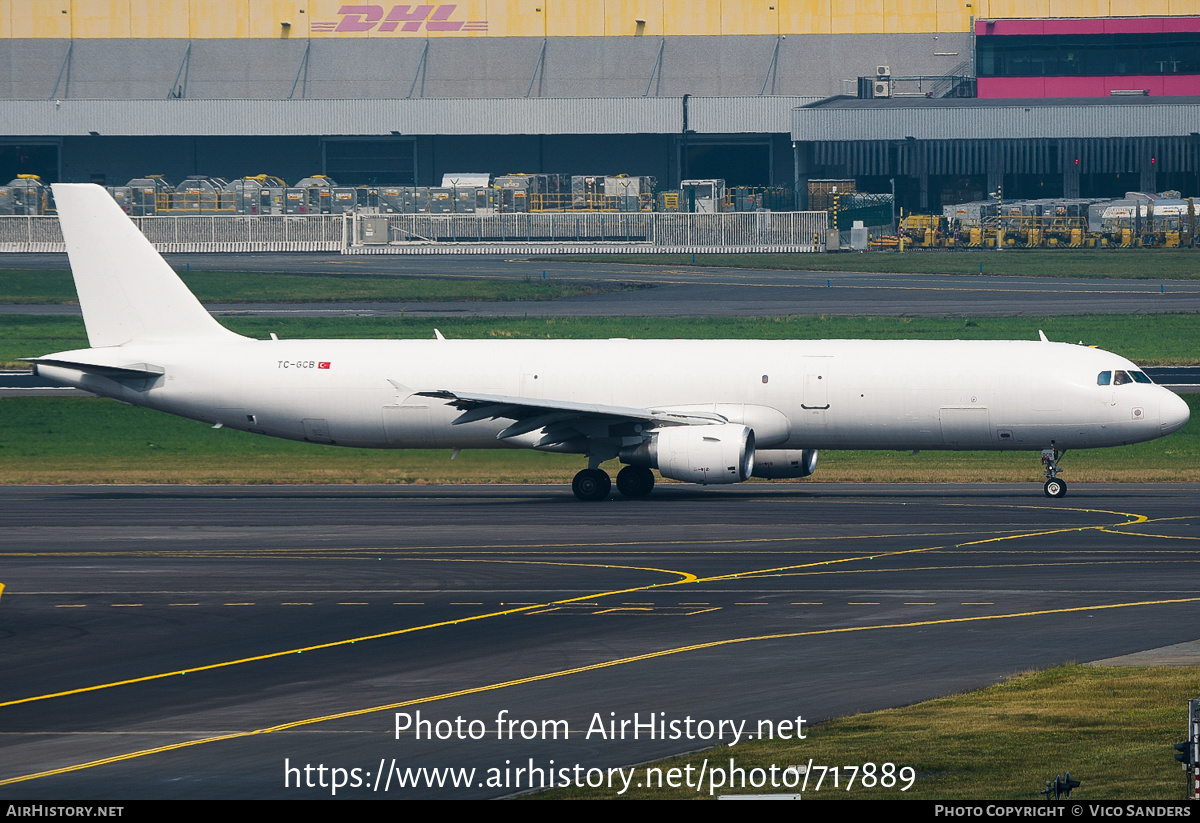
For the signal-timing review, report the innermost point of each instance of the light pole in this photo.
(999, 195)
(892, 180)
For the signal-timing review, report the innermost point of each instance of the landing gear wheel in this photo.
(635, 481)
(1054, 486)
(591, 484)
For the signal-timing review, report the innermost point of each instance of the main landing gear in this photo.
(1054, 486)
(635, 481)
(594, 484)
(591, 484)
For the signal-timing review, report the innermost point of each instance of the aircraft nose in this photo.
(1173, 412)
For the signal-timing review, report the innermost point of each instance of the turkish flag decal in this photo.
(324, 364)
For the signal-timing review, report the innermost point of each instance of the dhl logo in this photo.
(403, 18)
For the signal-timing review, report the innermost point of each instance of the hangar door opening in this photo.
(371, 162)
(29, 158)
(738, 163)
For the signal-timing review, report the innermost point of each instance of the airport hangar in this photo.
(1025, 97)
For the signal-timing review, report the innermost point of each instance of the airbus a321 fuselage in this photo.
(702, 411)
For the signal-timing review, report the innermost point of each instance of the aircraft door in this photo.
(407, 425)
(965, 427)
(1107, 396)
(814, 400)
(316, 430)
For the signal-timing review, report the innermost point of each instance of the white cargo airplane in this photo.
(701, 411)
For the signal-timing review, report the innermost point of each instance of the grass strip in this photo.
(23, 286)
(1112, 728)
(1120, 264)
(51, 440)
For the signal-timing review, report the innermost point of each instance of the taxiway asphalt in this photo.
(306, 617)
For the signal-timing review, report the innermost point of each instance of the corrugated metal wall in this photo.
(620, 115)
(1030, 156)
(379, 68)
(954, 120)
(610, 115)
(734, 115)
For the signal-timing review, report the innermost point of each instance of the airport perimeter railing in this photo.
(539, 233)
(195, 233)
(592, 232)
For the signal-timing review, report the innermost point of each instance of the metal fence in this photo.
(591, 232)
(548, 233)
(216, 233)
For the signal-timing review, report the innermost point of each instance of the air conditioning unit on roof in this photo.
(883, 71)
(883, 88)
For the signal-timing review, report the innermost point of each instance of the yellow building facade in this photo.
(233, 19)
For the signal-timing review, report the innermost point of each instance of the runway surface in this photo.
(683, 291)
(305, 618)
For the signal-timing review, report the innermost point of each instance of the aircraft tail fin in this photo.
(127, 291)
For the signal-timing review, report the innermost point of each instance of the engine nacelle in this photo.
(779, 464)
(721, 453)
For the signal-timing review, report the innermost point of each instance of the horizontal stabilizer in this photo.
(104, 370)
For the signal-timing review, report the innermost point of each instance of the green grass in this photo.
(1124, 264)
(1148, 339)
(92, 440)
(53, 286)
(1111, 728)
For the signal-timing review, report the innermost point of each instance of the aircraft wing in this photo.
(563, 420)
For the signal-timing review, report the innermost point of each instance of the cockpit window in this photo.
(1120, 378)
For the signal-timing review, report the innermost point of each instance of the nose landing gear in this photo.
(1054, 486)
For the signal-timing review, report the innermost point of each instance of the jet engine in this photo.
(778, 464)
(721, 453)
